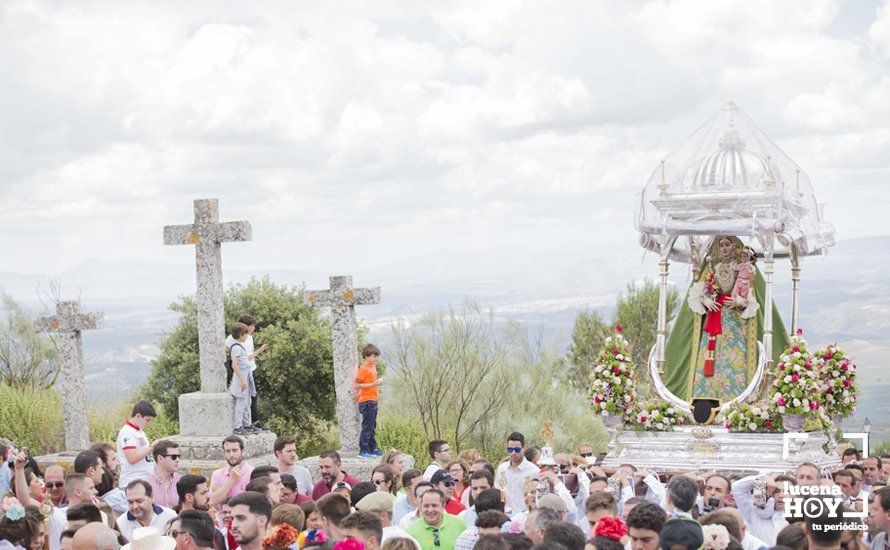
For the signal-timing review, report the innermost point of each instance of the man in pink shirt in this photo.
(164, 477)
(231, 480)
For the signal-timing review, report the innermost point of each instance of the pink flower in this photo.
(846, 383)
(618, 329)
(781, 401)
(643, 419)
(795, 349)
(808, 366)
(794, 378)
(768, 424)
(596, 399)
(615, 370)
(812, 405)
(843, 367)
(829, 355)
(615, 351)
(728, 425)
(782, 366)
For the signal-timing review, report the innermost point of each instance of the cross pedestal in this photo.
(209, 411)
(67, 324)
(342, 298)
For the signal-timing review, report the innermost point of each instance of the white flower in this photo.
(752, 426)
(619, 357)
(781, 409)
(796, 355)
(846, 392)
(806, 402)
(796, 402)
(785, 358)
(609, 339)
(788, 379)
(777, 395)
(627, 398)
(629, 382)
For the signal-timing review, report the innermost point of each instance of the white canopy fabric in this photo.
(729, 178)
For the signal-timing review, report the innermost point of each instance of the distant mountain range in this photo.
(845, 298)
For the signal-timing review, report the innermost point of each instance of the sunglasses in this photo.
(436, 541)
(514, 449)
(174, 457)
(379, 481)
(448, 483)
(586, 455)
(55, 484)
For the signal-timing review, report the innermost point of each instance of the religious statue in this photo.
(712, 350)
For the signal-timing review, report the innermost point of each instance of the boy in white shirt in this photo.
(133, 447)
(247, 344)
(242, 388)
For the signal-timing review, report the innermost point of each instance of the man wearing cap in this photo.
(443, 481)
(435, 529)
(380, 504)
(512, 475)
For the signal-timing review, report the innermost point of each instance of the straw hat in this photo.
(149, 538)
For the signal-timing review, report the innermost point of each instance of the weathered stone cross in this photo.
(342, 299)
(67, 324)
(207, 234)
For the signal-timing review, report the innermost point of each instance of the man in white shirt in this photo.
(286, 460)
(247, 344)
(511, 476)
(133, 447)
(143, 511)
(440, 453)
(763, 523)
(380, 504)
(405, 503)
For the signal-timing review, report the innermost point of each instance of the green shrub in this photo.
(33, 418)
(398, 431)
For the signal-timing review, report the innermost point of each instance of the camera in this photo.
(712, 504)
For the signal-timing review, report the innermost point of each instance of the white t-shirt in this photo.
(131, 437)
(126, 522)
(248, 347)
(304, 479)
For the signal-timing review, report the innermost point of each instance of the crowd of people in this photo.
(135, 495)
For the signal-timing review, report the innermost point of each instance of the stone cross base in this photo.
(202, 454)
(206, 414)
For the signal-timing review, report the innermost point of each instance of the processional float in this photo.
(725, 203)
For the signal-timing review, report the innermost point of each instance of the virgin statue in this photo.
(712, 348)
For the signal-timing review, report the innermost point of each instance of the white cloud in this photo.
(356, 132)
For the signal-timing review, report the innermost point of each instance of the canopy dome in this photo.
(729, 178)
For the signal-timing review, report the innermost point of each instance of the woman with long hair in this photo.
(383, 479)
(460, 472)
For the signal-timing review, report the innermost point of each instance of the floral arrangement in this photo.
(281, 536)
(796, 388)
(655, 415)
(838, 376)
(315, 537)
(611, 528)
(755, 417)
(611, 382)
(13, 509)
(716, 537)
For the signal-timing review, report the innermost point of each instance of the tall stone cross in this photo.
(67, 324)
(208, 234)
(342, 298)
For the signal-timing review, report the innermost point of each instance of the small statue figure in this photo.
(745, 275)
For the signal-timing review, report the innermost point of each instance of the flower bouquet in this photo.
(611, 381)
(754, 417)
(796, 390)
(657, 416)
(838, 376)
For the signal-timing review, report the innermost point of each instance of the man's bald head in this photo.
(95, 536)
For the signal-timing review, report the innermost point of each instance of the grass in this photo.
(33, 418)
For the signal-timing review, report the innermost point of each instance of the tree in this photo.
(27, 357)
(587, 339)
(473, 380)
(449, 367)
(637, 312)
(295, 376)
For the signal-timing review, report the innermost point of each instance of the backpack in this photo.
(229, 372)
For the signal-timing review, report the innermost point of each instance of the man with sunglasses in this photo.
(443, 481)
(54, 480)
(435, 529)
(193, 529)
(164, 477)
(512, 475)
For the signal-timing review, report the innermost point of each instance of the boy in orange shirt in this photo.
(366, 383)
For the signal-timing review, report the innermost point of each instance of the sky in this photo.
(359, 133)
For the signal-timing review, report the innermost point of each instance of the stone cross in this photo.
(342, 298)
(67, 324)
(207, 234)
